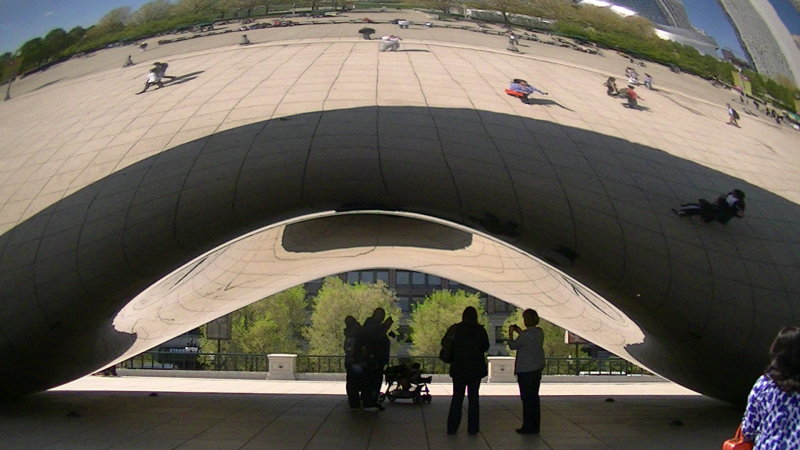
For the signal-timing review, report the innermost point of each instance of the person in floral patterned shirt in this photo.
(772, 417)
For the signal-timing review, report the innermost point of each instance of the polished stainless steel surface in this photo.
(127, 219)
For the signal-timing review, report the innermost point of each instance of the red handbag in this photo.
(737, 442)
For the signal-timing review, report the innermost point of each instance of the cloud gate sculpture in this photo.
(122, 228)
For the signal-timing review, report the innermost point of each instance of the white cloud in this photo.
(49, 13)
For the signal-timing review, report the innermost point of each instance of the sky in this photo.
(22, 20)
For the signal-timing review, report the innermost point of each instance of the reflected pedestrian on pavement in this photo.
(469, 343)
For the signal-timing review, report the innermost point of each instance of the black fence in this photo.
(198, 361)
(335, 364)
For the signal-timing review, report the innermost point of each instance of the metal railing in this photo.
(198, 361)
(592, 366)
(335, 363)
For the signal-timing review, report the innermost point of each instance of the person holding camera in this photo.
(528, 366)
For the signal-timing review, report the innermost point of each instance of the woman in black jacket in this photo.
(469, 342)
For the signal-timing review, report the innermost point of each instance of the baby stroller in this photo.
(405, 381)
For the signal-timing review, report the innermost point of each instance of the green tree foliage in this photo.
(76, 34)
(505, 7)
(6, 66)
(196, 7)
(32, 54)
(271, 325)
(438, 5)
(337, 300)
(113, 21)
(551, 9)
(9, 66)
(554, 346)
(153, 11)
(783, 92)
(430, 319)
(313, 4)
(237, 6)
(56, 41)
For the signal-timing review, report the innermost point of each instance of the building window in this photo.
(367, 276)
(499, 335)
(433, 280)
(418, 279)
(404, 303)
(499, 306)
(403, 278)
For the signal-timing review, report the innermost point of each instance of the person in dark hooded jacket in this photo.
(469, 345)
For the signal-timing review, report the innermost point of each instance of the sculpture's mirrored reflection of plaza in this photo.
(129, 219)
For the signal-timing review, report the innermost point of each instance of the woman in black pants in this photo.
(469, 345)
(528, 367)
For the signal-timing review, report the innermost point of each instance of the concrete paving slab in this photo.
(132, 412)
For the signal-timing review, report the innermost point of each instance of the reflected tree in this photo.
(271, 325)
(554, 345)
(337, 300)
(431, 319)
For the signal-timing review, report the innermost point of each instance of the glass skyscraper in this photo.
(663, 12)
(764, 37)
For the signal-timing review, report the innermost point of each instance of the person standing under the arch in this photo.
(469, 345)
(528, 366)
(375, 348)
(353, 362)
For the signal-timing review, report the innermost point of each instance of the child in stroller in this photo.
(406, 381)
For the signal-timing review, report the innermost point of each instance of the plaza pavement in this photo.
(131, 412)
(79, 121)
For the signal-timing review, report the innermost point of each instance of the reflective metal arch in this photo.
(71, 274)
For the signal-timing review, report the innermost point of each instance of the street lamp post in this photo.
(13, 76)
(8, 89)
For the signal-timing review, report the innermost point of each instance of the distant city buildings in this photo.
(703, 43)
(661, 12)
(765, 39)
(669, 18)
(728, 55)
(675, 14)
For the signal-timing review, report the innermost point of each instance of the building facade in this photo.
(701, 42)
(661, 12)
(675, 14)
(764, 38)
(669, 18)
